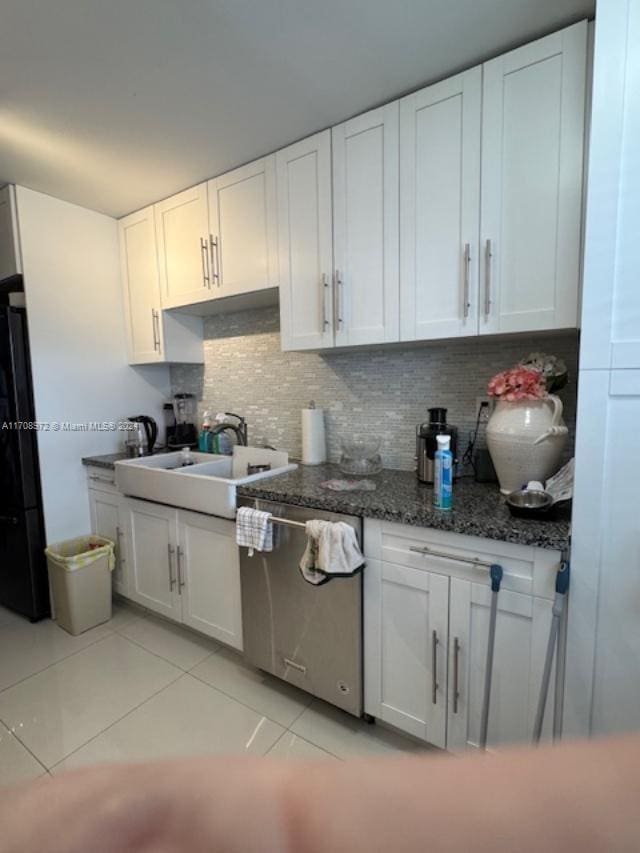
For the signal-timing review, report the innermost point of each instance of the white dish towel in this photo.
(332, 551)
(254, 529)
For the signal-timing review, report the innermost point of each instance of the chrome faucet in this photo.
(239, 429)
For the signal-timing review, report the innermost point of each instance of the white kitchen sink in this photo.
(207, 486)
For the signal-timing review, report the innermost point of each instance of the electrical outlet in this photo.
(487, 408)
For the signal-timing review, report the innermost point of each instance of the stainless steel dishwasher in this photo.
(310, 636)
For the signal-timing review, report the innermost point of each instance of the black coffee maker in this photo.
(426, 444)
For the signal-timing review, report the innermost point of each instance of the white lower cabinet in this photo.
(107, 519)
(426, 620)
(151, 531)
(406, 621)
(522, 630)
(185, 566)
(209, 577)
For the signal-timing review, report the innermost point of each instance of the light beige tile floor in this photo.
(139, 687)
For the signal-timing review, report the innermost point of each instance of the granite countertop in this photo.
(107, 461)
(479, 508)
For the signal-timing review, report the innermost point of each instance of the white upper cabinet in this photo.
(440, 130)
(532, 142)
(243, 229)
(184, 250)
(139, 268)
(365, 228)
(10, 262)
(303, 174)
(152, 335)
(611, 303)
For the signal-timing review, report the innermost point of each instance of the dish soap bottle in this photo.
(443, 474)
(205, 439)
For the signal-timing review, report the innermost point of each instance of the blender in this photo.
(184, 432)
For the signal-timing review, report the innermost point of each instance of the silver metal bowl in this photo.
(529, 503)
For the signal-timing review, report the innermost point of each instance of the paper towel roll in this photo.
(314, 443)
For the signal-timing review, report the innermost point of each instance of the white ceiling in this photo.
(114, 104)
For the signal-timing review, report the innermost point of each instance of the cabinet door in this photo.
(242, 217)
(209, 577)
(603, 609)
(139, 266)
(532, 141)
(611, 301)
(305, 257)
(440, 208)
(182, 228)
(522, 630)
(107, 520)
(9, 244)
(365, 228)
(151, 532)
(406, 621)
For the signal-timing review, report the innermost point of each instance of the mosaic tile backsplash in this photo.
(385, 391)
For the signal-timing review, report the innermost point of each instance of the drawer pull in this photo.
(294, 665)
(97, 479)
(431, 552)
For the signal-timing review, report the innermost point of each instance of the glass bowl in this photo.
(360, 455)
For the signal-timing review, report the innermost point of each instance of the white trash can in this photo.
(80, 575)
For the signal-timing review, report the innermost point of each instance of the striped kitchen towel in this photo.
(254, 529)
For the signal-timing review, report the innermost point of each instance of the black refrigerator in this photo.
(23, 571)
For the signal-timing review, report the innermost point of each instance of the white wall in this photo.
(78, 350)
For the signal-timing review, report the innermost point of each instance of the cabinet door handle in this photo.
(339, 299)
(456, 659)
(434, 667)
(98, 479)
(215, 264)
(153, 324)
(488, 255)
(466, 262)
(121, 559)
(204, 257)
(181, 581)
(325, 288)
(156, 330)
(431, 552)
(172, 580)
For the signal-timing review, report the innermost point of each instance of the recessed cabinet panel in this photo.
(184, 256)
(107, 519)
(139, 268)
(532, 142)
(406, 623)
(209, 575)
(365, 223)
(440, 208)
(242, 210)
(304, 241)
(522, 629)
(151, 535)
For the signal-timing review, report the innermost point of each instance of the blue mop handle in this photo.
(496, 577)
(562, 578)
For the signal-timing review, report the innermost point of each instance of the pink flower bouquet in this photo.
(519, 383)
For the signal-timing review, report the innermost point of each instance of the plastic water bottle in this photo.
(443, 479)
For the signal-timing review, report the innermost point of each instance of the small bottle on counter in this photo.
(443, 474)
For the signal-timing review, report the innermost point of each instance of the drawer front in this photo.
(527, 570)
(102, 478)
